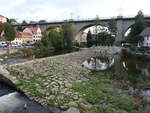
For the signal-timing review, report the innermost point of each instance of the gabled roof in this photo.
(20, 34)
(145, 32)
(32, 29)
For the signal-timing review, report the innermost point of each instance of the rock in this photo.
(72, 110)
(25, 106)
(72, 104)
(52, 97)
(75, 97)
(68, 85)
(86, 106)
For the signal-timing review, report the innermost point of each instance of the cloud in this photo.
(62, 9)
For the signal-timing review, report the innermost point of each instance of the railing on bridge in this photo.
(88, 19)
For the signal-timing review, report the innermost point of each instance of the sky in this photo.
(57, 10)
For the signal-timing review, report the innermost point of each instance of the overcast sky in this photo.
(63, 9)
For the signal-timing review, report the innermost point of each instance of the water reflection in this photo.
(123, 66)
(136, 66)
(99, 64)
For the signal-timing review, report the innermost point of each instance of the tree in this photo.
(12, 20)
(105, 38)
(9, 34)
(137, 28)
(112, 26)
(89, 39)
(1, 27)
(1, 30)
(20, 28)
(68, 35)
(24, 22)
(56, 39)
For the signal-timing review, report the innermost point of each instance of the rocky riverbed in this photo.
(62, 82)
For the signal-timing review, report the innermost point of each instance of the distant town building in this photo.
(22, 38)
(3, 19)
(35, 32)
(146, 35)
(83, 38)
(29, 35)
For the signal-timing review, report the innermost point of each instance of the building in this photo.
(3, 19)
(146, 35)
(35, 32)
(83, 38)
(22, 38)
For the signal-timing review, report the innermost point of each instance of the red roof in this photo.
(145, 32)
(20, 34)
(32, 29)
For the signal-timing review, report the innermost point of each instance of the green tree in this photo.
(1, 30)
(105, 38)
(68, 35)
(137, 28)
(89, 39)
(112, 26)
(24, 22)
(20, 28)
(12, 20)
(56, 39)
(9, 34)
(1, 27)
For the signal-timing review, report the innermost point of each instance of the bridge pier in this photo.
(120, 30)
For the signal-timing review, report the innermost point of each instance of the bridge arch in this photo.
(81, 29)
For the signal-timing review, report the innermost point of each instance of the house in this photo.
(22, 38)
(146, 35)
(35, 32)
(3, 19)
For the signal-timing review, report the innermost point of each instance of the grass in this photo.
(104, 90)
(100, 110)
(101, 90)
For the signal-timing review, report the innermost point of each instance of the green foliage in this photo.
(12, 20)
(100, 110)
(56, 39)
(20, 28)
(104, 38)
(1, 27)
(89, 39)
(93, 90)
(133, 39)
(9, 32)
(68, 35)
(112, 27)
(137, 28)
(124, 103)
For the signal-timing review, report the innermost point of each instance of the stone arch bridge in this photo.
(122, 25)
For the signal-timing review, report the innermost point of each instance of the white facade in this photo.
(17, 41)
(146, 41)
(36, 33)
(36, 37)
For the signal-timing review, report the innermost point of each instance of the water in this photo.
(99, 63)
(13, 60)
(12, 101)
(132, 67)
(124, 66)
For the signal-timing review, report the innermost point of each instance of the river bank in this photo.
(61, 81)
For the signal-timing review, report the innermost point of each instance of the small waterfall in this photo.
(12, 101)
